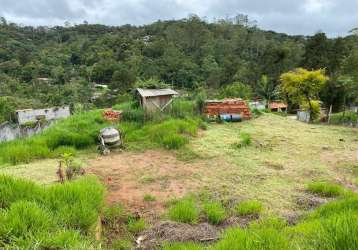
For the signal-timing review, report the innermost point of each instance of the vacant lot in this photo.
(283, 157)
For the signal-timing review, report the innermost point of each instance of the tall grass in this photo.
(215, 212)
(184, 210)
(54, 217)
(78, 131)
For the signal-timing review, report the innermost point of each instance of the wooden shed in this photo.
(155, 99)
(227, 106)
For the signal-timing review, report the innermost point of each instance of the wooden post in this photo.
(329, 113)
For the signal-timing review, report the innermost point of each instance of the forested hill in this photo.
(187, 53)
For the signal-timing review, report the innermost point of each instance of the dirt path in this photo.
(129, 176)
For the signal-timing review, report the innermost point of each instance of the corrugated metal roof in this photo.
(156, 92)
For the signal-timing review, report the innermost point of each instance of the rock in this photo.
(325, 147)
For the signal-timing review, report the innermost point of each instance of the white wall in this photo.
(31, 115)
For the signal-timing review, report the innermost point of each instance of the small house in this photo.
(155, 99)
(277, 107)
(227, 107)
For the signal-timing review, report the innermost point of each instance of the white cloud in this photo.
(335, 17)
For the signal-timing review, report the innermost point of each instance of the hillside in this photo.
(42, 66)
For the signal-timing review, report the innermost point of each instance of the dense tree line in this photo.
(59, 65)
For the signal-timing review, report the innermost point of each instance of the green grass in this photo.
(244, 141)
(182, 246)
(325, 189)
(149, 197)
(344, 118)
(253, 238)
(76, 132)
(214, 212)
(59, 216)
(185, 211)
(250, 207)
(136, 225)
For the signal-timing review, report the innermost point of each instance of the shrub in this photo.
(214, 212)
(185, 211)
(325, 189)
(250, 207)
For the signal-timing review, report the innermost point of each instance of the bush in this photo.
(325, 189)
(249, 208)
(214, 212)
(185, 211)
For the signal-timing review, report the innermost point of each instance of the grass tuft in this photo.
(325, 189)
(185, 211)
(214, 212)
(249, 208)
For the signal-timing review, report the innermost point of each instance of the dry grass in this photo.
(284, 156)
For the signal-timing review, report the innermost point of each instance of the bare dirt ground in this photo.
(129, 176)
(285, 155)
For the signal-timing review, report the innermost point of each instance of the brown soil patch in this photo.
(131, 175)
(176, 232)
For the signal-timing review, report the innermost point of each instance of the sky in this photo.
(297, 17)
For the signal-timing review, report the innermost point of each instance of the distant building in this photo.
(33, 115)
(277, 107)
(155, 99)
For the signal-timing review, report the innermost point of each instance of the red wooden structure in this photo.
(227, 106)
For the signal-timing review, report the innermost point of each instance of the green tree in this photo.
(302, 85)
(235, 90)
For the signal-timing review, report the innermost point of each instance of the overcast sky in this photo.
(335, 17)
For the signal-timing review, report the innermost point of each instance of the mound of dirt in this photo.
(169, 231)
(309, 202)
